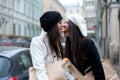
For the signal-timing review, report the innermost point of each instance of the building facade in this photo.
(20, 17)
(26, 17)
(71, 9)
(6, 16)
(54, 5)
(89, 13)
(109, 30)
(109, 25)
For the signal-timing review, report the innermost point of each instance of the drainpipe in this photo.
(119, 39)
(119, 24)
(97, 21)
(105, 39)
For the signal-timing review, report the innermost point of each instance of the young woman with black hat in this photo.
(47, 48)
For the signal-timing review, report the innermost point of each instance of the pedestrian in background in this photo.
(80, 49)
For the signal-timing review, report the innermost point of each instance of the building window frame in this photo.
(112, 1)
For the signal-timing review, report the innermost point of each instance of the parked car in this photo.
(29, 42)
(14, 63)
(5, 41)
(20, 42)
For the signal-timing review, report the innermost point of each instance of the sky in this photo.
(66, 2)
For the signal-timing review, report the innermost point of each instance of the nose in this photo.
(64, 25)
(64, 28)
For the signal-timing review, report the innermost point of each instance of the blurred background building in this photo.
(6, 16)
(26, 17)
(89, 10)
(108, 30)
(71, 9)
(20, 17)
(54, 5)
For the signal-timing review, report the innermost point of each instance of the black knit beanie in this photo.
(49, 19)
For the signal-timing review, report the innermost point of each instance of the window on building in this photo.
(25, 31)
(29, 11)
(19, 29)
(18, 1)
(77, 10)
(4, 2)
(89, 3)
(118, 0)
(0, 2)
(17, 4)
(14, 28)
(33, 13)
(86, 4)
(24, 8)
(9, 3)
(29, 33)
(71, 11)
(36, 17)
(115, 0)
(92, 3)
(32, 31)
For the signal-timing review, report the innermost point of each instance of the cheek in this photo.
(60, 27)
(66, 27)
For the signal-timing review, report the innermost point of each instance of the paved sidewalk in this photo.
(99, 49)
(115, 66)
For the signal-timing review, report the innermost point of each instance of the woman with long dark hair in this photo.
(80, 49)
(47, 48)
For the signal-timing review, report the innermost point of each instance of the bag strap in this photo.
(87, 70)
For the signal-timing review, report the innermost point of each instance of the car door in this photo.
(24, 62)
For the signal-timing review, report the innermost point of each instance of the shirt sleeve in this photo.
(38, 54)
(95, 61)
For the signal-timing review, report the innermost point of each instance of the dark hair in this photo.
(54, 41)
(74, 44)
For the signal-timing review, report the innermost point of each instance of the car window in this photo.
(21, 65)
(5, 66)
(25, 61)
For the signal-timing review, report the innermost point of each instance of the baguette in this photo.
(65, 62)
(64, 30)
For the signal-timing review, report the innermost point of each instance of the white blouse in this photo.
(41, 55)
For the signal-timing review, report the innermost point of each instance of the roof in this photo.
(9, 51)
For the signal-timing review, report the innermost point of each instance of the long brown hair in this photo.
(74, 44)
(54, 41)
